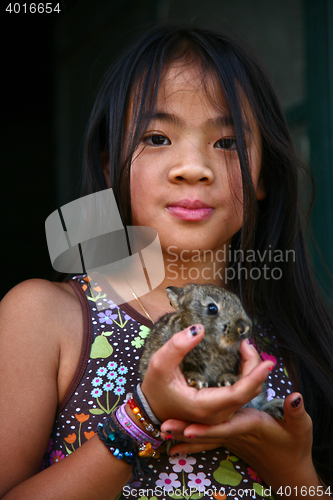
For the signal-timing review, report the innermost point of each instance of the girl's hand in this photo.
(279, 451)
(169, 395)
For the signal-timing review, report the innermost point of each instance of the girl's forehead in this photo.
(188, 81)
(183, 91)
(188, 87)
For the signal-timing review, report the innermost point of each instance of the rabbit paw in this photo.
(226, 379)
(196, 380)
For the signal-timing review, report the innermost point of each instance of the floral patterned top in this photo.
(114, 337)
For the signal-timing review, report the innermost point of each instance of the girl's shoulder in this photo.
(40, 304)
(41, 300)
(44, 319)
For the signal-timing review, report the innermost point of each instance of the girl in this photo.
(189, 134)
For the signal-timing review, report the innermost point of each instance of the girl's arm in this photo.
(36, 318)
(91, 473)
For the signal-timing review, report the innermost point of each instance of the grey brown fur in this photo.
(215, 361)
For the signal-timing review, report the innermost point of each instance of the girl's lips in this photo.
(190, 214)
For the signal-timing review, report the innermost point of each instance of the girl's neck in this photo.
(156, 303)
(181, 269)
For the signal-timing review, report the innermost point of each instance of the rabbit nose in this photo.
(242, 327)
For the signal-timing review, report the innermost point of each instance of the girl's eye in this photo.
(226, 143)
(156, 140)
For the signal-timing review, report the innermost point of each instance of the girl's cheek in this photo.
(236, 187)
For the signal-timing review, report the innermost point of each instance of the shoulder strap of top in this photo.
(86, 344)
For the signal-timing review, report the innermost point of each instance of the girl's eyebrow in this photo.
(224, 121)
(211, 123)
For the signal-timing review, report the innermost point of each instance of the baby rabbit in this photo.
(215, 361)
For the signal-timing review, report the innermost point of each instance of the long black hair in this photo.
(289, 299)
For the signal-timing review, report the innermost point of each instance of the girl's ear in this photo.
(106, 168)
(260, 190)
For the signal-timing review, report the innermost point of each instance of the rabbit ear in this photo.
(174, 294)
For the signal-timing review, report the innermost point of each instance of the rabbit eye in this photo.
(212, 309)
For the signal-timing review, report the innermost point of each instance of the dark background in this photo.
(52, 65)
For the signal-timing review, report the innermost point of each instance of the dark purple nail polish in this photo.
(194, 331)
(296, 403)
(175, 455)
(167, 432)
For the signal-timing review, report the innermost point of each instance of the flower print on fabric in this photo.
(71, 438)
(198, 481)
(101, 371)
(112, 305)
(108, 386)
(49, 446)
(112, 365)
(254, 475)
(96, 382)
(168, 481)
(270, 394)
(268, 357)
(96, 393)
(183, 462)
(121, 381)
(76, 437)
(122, 370)
(114, 382)
(81, 418)
(264, 356)
(119, 390)
(89, 435)
(56, 456)
(112, 375)
(107, 317)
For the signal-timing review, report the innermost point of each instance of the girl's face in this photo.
(185, 176)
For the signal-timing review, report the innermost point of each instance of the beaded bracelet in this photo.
(139, 415)
(143, 403)
(122, 446)
(133, 430)
(144, 448)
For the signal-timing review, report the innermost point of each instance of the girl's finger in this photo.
(169, 356)
(297, 420)
(174, 436)
(189, 448)
(243, 421)
(173, 426)
(250, 384)
(250, 357)
(237, 395)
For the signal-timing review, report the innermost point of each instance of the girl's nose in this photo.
(191, 169)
